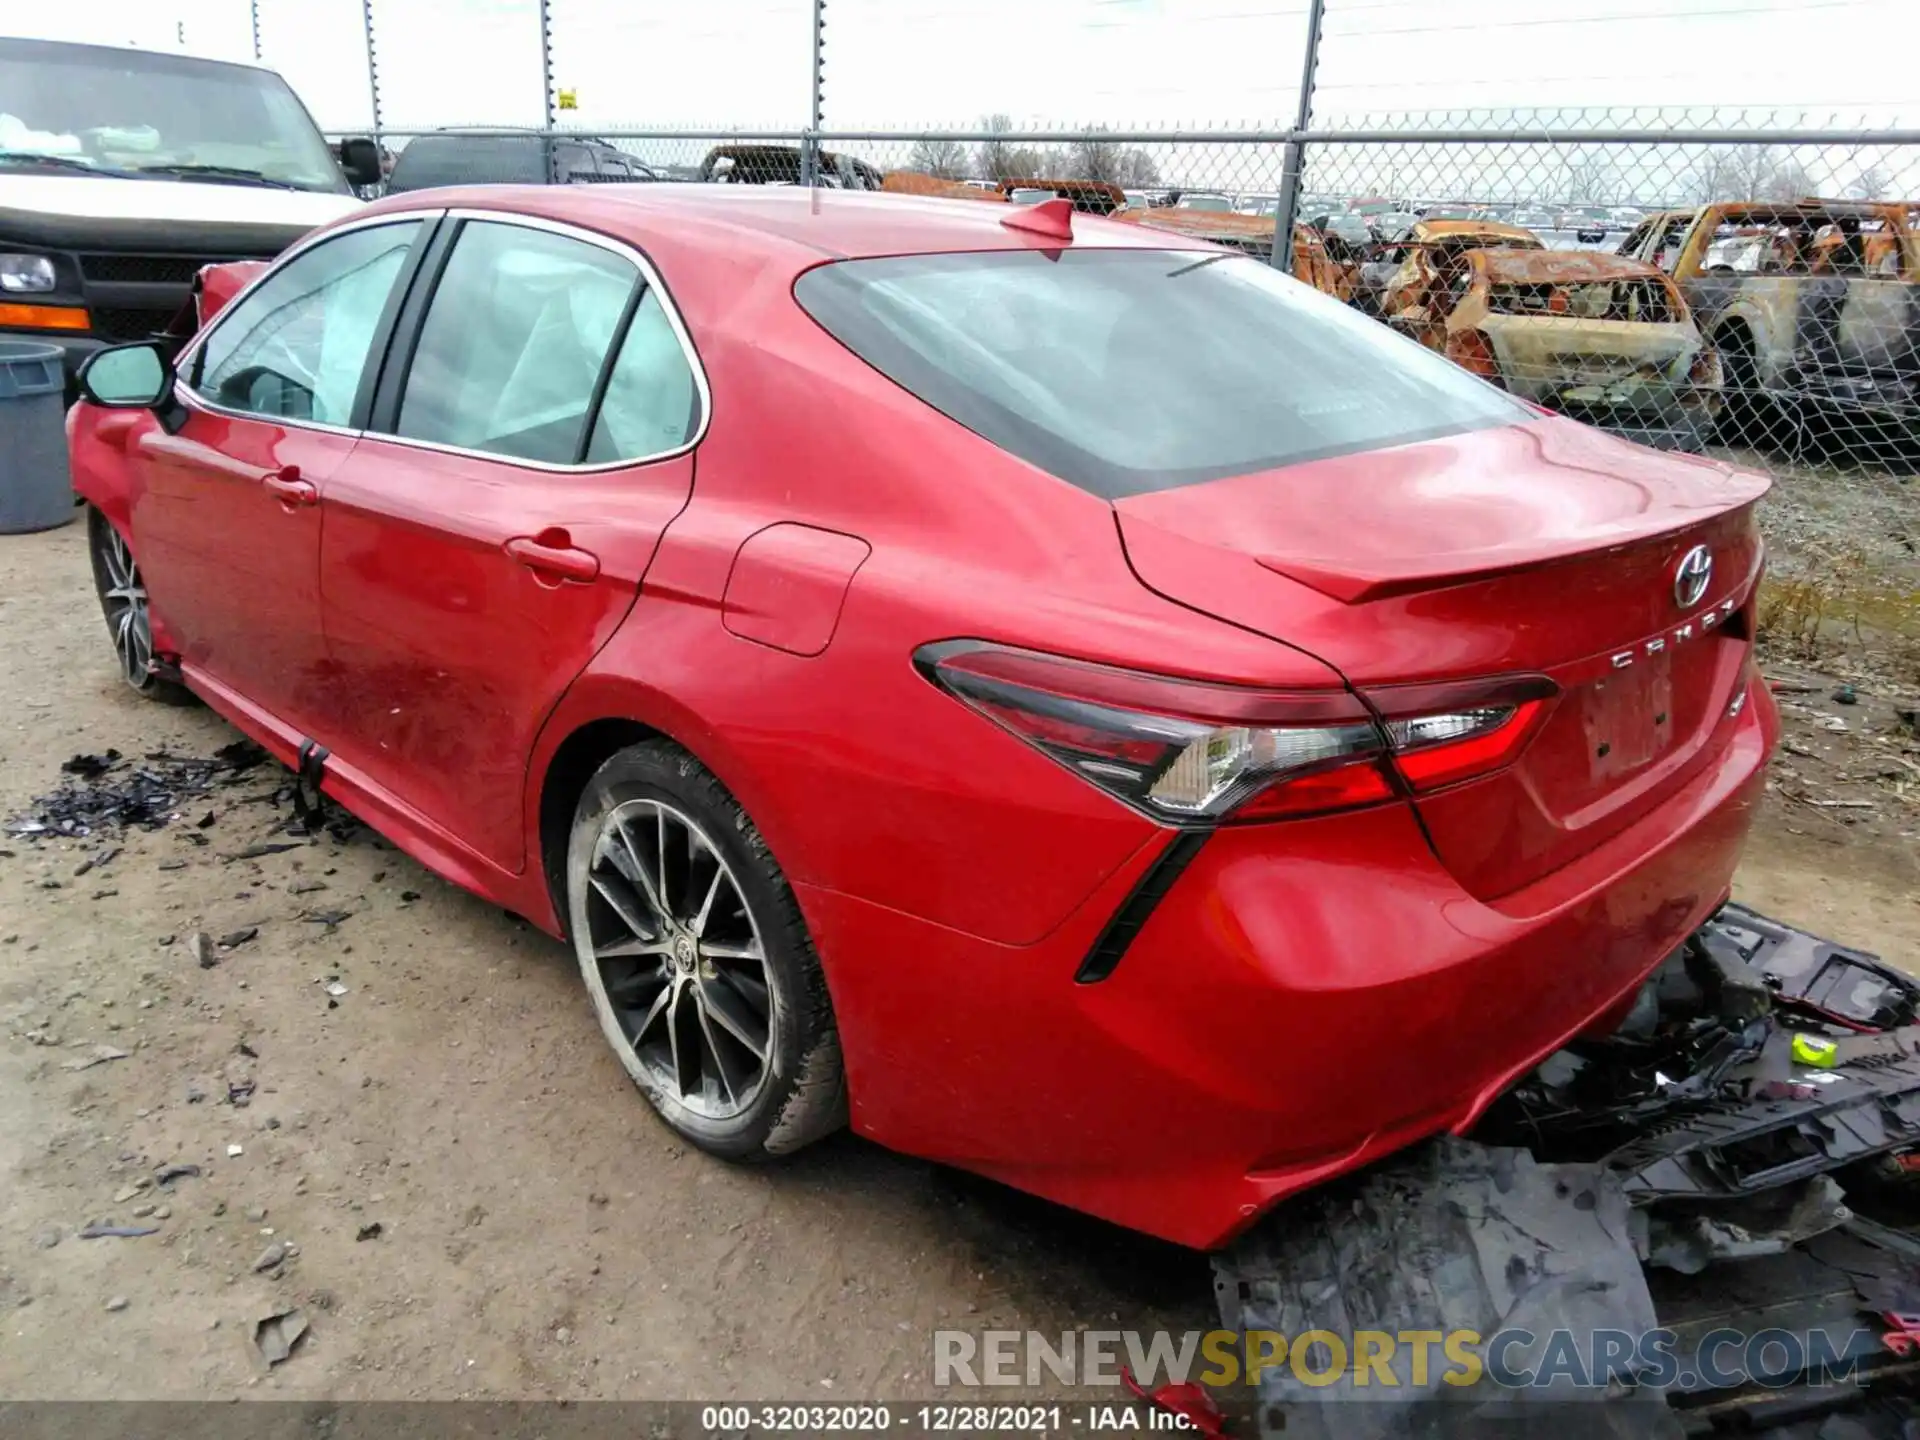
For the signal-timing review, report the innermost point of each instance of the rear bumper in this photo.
(1306, 998)
(1865, 395)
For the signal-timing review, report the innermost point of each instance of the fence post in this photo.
(1291, 167)
(810, 147)
(546, 63)
(373, 66)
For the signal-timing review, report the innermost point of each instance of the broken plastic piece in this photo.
(1190, 1402)
(1052, 218)
(1813, 1050)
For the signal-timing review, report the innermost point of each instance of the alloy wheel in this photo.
(678, 956)
(125, 598)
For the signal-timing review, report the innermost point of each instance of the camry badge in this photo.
(1692, 576)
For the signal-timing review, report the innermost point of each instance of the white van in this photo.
(123, 171)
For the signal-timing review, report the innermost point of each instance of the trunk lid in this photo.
(1545, 548)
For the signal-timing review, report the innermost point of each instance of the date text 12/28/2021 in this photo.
(957, 1419)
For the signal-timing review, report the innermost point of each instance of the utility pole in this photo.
(546, 62)
(810, 147)
(253, 10)
(1291, 167)
(373, 66)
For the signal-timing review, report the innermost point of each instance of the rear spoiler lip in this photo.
(1353, 586)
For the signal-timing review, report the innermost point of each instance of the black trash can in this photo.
(36, 490)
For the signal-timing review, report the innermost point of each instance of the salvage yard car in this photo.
(1059, 696)
(1313, 259)
(122, 172)
(1813, 305)
(1398, 275)
(1599, 337)
(508, 157)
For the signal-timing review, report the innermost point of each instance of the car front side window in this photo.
(295, 348)
(513, 343)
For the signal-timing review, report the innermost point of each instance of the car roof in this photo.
(1431, 231)
(1565, 267)
(169, 61)
(806, 225)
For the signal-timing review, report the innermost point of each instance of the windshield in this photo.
(133, 112)
(1127, 371)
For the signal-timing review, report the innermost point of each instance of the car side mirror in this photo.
(360, 159)
(126, 377)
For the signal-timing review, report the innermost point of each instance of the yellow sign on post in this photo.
(567, 100)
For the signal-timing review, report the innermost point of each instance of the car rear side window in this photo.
(513, 343)
(295, 347)
(651, 404)
(1127, 371)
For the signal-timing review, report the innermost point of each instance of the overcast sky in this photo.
(898, 64)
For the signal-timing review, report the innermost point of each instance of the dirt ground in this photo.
(541, 1235)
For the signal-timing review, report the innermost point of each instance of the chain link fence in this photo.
(1687, 285)
(1708, 276)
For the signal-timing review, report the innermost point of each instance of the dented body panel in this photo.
(1810, 302)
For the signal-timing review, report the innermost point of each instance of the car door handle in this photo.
(554, 554)
(289, 487)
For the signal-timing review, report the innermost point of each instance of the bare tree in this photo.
(1092, 158)
(1000, 160)
(1750, 172)
(945, 158)
(1591, 178)
(1790, 180)
(1872, 183)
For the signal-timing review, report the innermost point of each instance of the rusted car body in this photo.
(1600, 338)
(1090, 197)
(1813, 305)
(1400, 274)
(915, 182)
(1253, 235)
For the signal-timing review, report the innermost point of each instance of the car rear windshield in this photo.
(1128, 371)
(1641, 299)
(435, 160)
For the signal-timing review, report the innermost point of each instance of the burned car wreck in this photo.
(1601, 338)
(1738, 1159)
(1813, 305)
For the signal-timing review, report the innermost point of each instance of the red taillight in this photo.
(1443, 734)
(1184, 751)
(1196, 752)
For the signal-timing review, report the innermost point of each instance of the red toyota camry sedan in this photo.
(1067, 701)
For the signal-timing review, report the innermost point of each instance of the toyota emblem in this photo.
(1692, 576)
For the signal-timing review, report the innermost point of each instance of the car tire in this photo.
(697, 959)
(123, 601)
